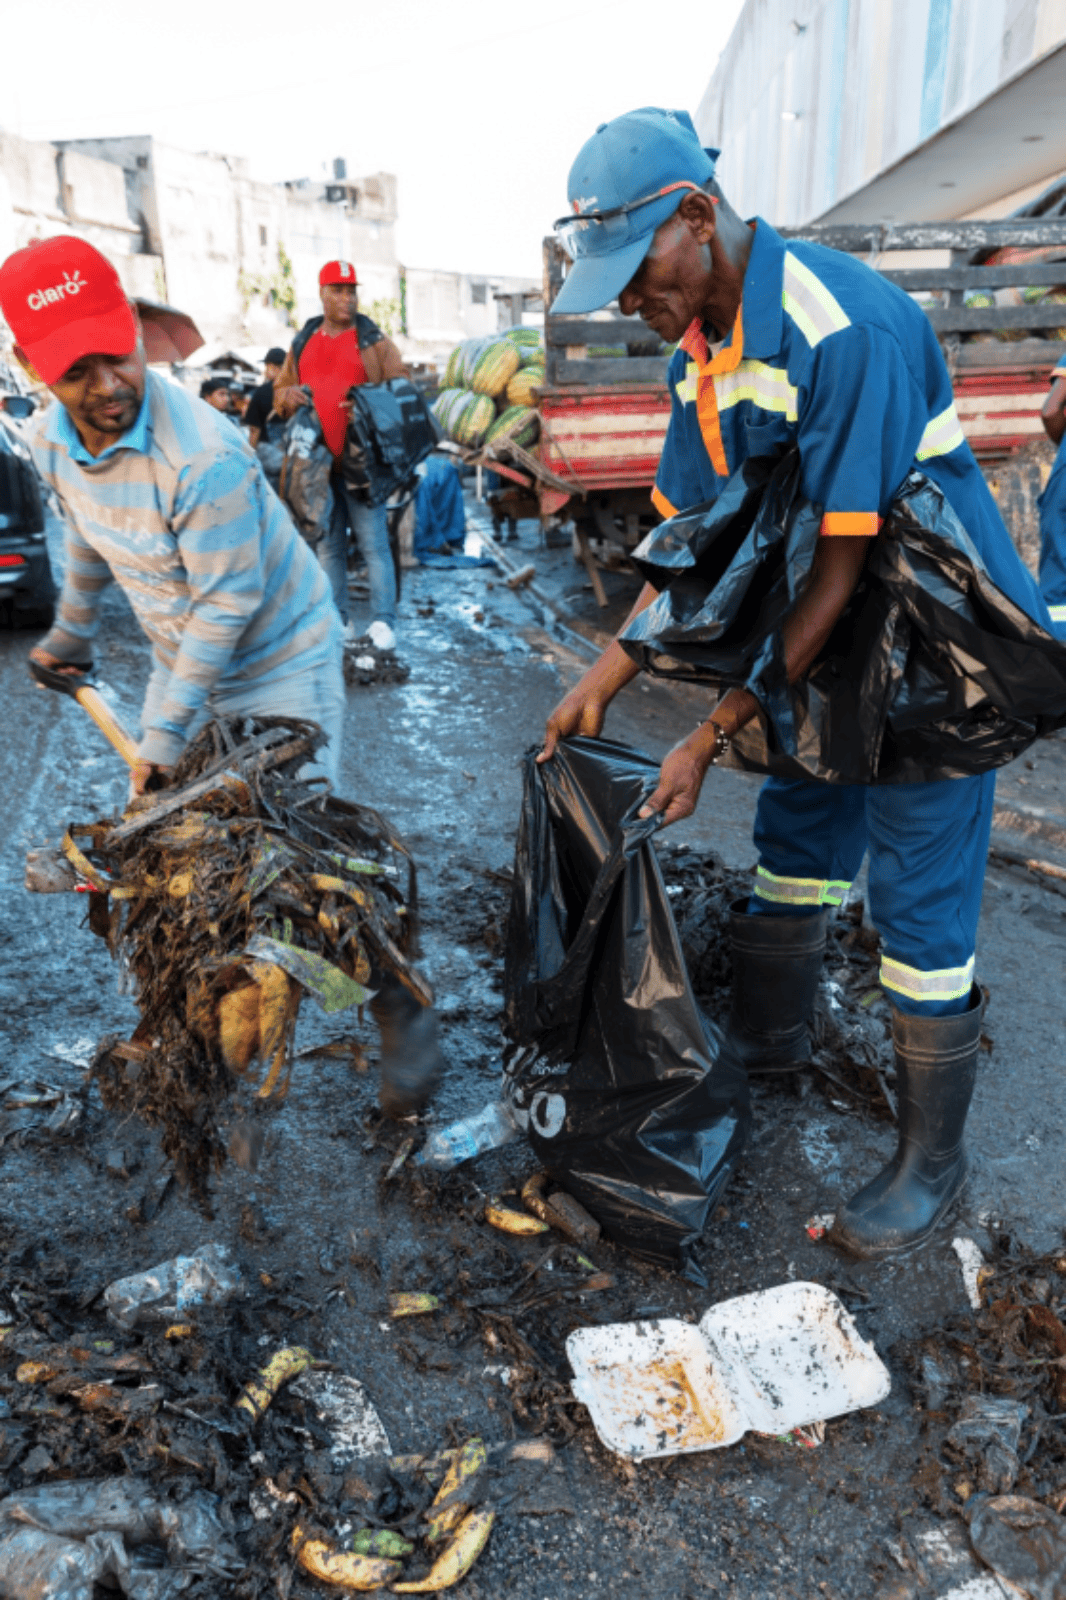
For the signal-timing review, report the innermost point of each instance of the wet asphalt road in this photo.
(440, 756)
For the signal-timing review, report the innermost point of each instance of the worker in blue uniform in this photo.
(782, 343)
(1052, 503)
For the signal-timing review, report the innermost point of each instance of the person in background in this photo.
(216, 392)
(261, 404)
(330, 355)
(239, 398)
(1052, 502)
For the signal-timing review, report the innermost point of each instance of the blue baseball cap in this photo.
(628, 179)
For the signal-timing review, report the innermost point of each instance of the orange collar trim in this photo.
(694, 343)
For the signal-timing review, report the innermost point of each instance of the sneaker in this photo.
(381, 636)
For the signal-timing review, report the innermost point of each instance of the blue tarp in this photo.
(439, 516)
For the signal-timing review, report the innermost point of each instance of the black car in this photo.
(27, 591)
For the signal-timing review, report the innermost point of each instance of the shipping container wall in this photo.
(812, 99)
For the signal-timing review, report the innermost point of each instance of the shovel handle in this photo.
(81, 687)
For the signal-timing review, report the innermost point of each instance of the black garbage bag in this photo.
(390, 430)
(612, 1068)
(305, 473)
(931, 672)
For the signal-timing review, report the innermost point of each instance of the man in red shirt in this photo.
(329, 355)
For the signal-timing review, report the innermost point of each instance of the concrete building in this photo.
(194, 229)
(442, 308)
(889, 110)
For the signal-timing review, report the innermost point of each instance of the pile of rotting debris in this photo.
(200, 1452)
(230, 895)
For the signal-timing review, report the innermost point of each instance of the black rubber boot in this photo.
(936, 1064)
(777, 962)
(411, 1062)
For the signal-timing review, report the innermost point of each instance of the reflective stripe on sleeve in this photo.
(661, 503)
(851, 524)
(1057, 613)
(799, 891)
(951, 983)
(942, 435)
(805, 298)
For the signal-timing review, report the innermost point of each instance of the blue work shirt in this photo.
(828, 355)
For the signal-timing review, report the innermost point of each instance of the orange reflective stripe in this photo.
(853, 524)
(662, 504)
(727, 360)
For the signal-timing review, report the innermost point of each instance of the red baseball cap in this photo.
(337, 272)
(63, 300)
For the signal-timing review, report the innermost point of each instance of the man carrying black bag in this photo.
(791, 345)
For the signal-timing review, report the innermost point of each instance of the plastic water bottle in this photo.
(461, 1141)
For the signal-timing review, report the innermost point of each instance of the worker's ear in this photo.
(27, 366)
(698, 210)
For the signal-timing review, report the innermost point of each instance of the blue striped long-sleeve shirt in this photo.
(179, 512)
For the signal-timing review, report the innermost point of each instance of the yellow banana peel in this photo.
(412, 1305)
(509, 1221)
(346, 1568)
(37, 1372)
(259, 1391)
(455, 1561)
(467, 1464)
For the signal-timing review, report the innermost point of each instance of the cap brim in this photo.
(111, 333)
(594, 281)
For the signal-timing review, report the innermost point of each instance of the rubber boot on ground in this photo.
(777, 962)
(936, 1065)
(411, 1061)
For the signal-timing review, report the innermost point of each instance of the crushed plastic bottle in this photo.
(461, 1141)
(208, 1277)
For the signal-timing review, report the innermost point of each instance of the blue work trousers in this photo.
(928, 845)
(368, 524)
(1052, 505)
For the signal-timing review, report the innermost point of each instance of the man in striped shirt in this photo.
(162, 493)
(780, 345)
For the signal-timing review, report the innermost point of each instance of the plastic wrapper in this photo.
(1023, 1542)
(305, 472)
(612, 1069)
(208, 1277)
(58, 1541)
(390, 430)
(931, 672)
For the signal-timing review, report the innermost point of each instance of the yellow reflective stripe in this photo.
(950, 983)
(1057, 613)
(942, 435)
(809, 303)
(799, 891)
(687, 389)
(763, 386)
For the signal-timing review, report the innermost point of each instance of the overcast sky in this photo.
(478, 109)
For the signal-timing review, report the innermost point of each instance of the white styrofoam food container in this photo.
(772, 1361)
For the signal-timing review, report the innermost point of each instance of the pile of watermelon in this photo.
(489, 386)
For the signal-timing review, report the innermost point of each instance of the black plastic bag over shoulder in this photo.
(613, 1070)
(931, 672)
(390, 430)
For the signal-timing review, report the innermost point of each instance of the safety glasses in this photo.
(594, 233)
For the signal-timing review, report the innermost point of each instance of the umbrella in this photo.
(169, 334)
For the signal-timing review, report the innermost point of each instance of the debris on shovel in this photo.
(226, 898)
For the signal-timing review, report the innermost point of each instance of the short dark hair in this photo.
(210, 385)
(274, 357)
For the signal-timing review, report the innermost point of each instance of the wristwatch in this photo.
(722, 741)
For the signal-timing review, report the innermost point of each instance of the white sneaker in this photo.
(381, 636)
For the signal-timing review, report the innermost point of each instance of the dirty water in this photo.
(323, 1239)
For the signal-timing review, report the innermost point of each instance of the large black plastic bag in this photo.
(612, 1068)
(931, 672)
(390, 430)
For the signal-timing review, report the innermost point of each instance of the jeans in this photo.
(316, 693)
(368, 524)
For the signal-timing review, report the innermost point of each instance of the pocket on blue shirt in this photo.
(766, 438)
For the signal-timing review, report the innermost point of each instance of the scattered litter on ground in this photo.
(207, 1277)
(986, 1438)
(818, 1226)
(365, 664)
(973, 1267)
(1024, 1543)
(36, 1109)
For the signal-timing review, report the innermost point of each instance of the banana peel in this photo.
(509, 1221)
(257, 1019)
(347, 1568)
(412, 1305)
(455, 1561)
(449, 1503)
(258, 1392)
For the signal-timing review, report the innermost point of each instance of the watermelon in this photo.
(520, 389)
(520, 423)
(496, 364)
(451, 371)
(471, 350)
(448, 404)
(524, 336)
(474, 421)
